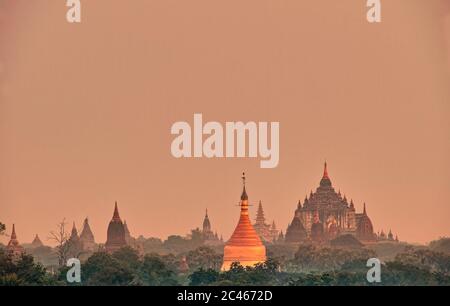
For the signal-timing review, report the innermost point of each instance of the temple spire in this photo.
(13, 246)
(13, 234)
(116, 216)
(325, 171)
(116, 238)
(244, 195)
(260, 214)
(74, 234)
(364, 209)
(325, 181)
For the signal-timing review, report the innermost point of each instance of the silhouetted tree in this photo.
(128, 257)
(205, 258)
(23, 272)
(61, 238)
(154, 272)
(102, 269)
(203, 277)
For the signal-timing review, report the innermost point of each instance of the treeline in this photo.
(309, 265)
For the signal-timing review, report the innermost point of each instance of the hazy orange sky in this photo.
(86, 111)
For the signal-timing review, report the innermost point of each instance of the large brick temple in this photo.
(326, 214)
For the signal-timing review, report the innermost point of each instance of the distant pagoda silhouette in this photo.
(244, 246)
(36, 242)
(116, 233)
(14, 249)
(87, 237)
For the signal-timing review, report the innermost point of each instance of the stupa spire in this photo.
(364, 209)
(244, 195)
(325, 181)
(116, 216)
(74, 234)
(325, 171)
(13, 245)
(13, 233)
(260, 214)
(206, 222)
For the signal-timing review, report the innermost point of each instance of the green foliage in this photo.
(44, 254)
(264, 274)
(309, 265)
(125, 267)
(155, 272)
(204, 277)
(310, 258)
(102, 269)
(204, 258)
(441, 245)
(386, 251)
(23, 271)
(426, 259)
(127, 257)
(177, 244)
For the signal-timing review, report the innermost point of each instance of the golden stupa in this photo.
(244, 246)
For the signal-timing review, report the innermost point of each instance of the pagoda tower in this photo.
(207, 232)
(260, 219)
(36, 242)
(14, 248)
(244, 246)
(74, 234)
(87, 237)
(260, 225)
(116, 233)
(206, 223)
(75, 244)
(364, 230)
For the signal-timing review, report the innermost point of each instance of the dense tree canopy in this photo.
(23, 272)
(441, 245)
(308, 265)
